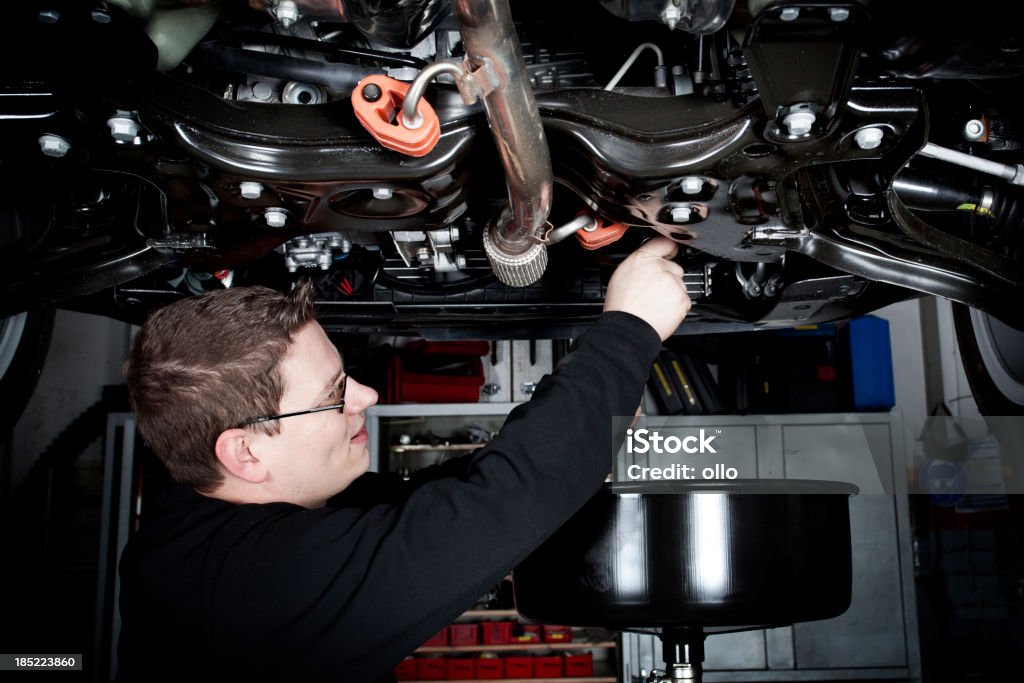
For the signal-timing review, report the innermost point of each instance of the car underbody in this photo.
(814, 161)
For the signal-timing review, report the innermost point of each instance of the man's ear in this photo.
(232, 449)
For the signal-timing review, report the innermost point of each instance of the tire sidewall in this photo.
(22, 373)
(990, 399)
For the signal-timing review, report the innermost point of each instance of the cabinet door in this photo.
(856, 453)
(735, 651)
(871, 632)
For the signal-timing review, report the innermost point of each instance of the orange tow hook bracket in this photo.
(605, 233)
(377, 102)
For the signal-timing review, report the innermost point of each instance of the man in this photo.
(278, 558)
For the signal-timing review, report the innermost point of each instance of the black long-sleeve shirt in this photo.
(343, 593)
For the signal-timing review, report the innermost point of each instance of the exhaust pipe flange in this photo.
(490, 41)
(516, 269)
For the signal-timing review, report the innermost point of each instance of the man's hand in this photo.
(650, 286)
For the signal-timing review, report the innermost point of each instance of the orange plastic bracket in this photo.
(377, 102)
(606, 233)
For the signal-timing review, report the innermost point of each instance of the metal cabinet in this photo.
(877, 637)
(384, 421)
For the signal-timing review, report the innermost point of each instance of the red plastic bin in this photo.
(528, 633)
(496, 632)
(489, 668)
(461, 635)
(557, 634)
(432, 668)
(461, 669)
(579, 665)
(406, 670)
(437, 372)
(519, 667)
(438, 640)
(547, 667)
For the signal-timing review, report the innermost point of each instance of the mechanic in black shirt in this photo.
(277, 557)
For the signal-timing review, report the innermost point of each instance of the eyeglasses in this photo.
(340, 406)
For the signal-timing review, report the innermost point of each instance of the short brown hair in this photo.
(204, 364)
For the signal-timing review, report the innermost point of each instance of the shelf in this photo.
(564, 679)
(478, 613)
(516, 647)
(439, 409)
(398, 449)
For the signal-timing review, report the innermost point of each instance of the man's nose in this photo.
(358, 397)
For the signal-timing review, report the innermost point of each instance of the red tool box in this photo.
(431, 668)
(528, 633)
(461, 669)
(437, 372)
(579, 665)
(557, 634)
(461, 635)
(496, 632)
(439, 640)
(519, 667)
(547, 667)
(406, 670)
(489, 668)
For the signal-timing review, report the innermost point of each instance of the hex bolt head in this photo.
(869, 138)
(123, 129)
(287, 12)
(838, 14)
(799, 122)
(974, 130)
(789, 13)
(671, 15)
(383, 193)
(275, 217)
(692, 185)
(54, 146)
(681, 214)
(250, 189)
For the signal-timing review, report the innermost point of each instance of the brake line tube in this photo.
(1012, 173)
(490, 41)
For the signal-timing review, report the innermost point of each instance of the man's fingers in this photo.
(675, 269)
(661, 247)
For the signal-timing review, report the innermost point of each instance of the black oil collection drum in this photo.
(709, 554)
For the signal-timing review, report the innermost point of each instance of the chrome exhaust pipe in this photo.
(491, 44)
